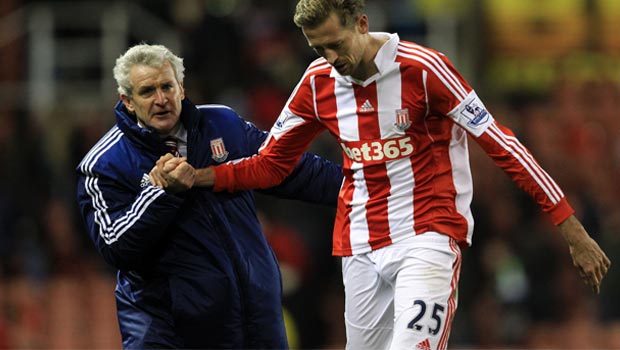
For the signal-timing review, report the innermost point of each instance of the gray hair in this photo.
(148, 55)
(312, 13)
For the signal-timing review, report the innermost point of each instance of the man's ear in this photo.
(182, 90)
(362, 24)
(127, 103)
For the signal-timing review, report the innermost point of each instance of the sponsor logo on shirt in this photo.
(218, 150)
(371, 152)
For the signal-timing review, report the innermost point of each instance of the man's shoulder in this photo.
(318, 67)
(217, 111)
(106, 150)
(219, 114)
(412, 53)
(214, 108)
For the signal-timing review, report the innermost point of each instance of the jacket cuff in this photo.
(561, 211)
(176, 199)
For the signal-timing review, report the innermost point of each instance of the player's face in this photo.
(343, 47)
(156, 97)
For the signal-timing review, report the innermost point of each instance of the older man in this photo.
(194, 269)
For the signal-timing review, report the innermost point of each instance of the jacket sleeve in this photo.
(314, 179)
(125, 226)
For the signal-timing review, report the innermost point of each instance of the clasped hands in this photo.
(173, 174)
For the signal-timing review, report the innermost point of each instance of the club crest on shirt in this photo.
(475, 113)
(403, 122)
(218, 150)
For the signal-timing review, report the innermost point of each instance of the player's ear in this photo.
(362, 24)
(127, 102)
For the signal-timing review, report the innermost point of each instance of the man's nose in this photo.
(160, 97)
(331, 56)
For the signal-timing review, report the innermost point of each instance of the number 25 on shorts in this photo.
(436, 314)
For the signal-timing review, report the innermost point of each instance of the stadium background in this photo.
(548, 69)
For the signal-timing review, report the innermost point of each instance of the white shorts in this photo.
(402, 296)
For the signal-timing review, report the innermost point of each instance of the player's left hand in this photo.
(587, 256)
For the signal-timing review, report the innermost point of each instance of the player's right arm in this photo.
(290, 136)
(314, 179)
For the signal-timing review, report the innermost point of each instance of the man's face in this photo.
(156, 97)
(341, 46)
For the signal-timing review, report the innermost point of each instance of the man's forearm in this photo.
(588, 257)
(205, 177)
(572, 230)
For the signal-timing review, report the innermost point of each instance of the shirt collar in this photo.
(384, 59)
(179, 132)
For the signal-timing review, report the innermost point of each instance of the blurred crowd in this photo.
(518, 286)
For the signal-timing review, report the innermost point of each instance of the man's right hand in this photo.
(174, 174)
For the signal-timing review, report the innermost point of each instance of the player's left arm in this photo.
(520, 165)
(455, 98)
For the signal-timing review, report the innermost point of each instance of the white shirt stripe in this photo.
(510, 144)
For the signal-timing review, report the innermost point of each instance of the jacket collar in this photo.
(148, 137)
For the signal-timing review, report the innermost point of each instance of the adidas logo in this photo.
(146, 180)
(367, 107)
(423, 345)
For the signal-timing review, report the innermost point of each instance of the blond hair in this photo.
(312, 13)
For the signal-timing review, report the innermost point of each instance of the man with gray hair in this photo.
(194, 268)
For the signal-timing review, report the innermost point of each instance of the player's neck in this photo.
(367, 67)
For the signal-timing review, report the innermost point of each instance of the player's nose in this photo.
(331, 56)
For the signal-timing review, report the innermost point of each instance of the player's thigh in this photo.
(369, 311)
(426, 297)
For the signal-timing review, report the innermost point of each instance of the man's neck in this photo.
(368, 68)
(172, 132)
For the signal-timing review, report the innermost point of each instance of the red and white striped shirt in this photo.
(403, 133)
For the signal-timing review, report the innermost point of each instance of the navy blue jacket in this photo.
(194, 268)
